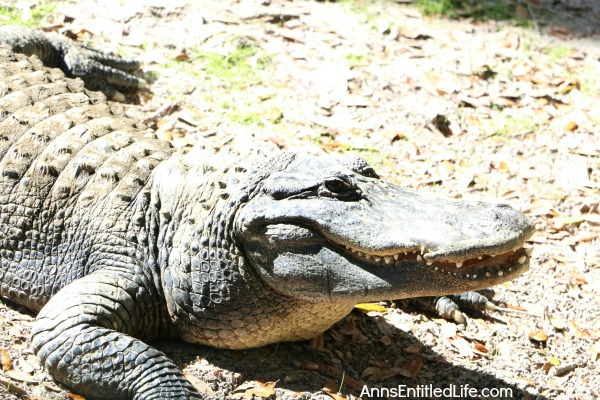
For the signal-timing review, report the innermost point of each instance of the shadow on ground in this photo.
(298, 367)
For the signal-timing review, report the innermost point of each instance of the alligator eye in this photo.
(336, 187)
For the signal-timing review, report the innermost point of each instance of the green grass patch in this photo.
(359, 6)
(590, 84)
(355, 60)
(31, 17)
(241, 67)
(485, 9)
(557, 52)
(509, 126)
(246, 118)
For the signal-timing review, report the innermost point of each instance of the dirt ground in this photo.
(472, 109)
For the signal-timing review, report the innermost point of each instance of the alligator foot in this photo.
(451, 307)
(107, 73)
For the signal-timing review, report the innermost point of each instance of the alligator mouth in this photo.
(490, 267)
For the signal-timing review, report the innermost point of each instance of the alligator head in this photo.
(279, 248)
(320, 230)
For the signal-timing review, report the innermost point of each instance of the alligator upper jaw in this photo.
(487, 267)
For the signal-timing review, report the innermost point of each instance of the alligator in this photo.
(115, 239)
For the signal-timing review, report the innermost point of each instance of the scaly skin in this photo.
(115, 239)
(100, 71)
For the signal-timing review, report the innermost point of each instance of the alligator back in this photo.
(75, 176)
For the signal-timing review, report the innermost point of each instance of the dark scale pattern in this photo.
(75, 178)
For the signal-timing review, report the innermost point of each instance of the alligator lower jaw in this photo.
(486, 267)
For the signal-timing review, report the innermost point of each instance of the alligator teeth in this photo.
(500, 273)
(522, 259)
(388, 259)
(429, 262)
(367, 256)
(529, 251)
(459, 264)
(396, 256)
(474, 276)
(488, 274)
(479, 258)
(419, 258)
(360, 253)
(377, 258)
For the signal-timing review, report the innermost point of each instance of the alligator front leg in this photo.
(90, 337)
(451, 307)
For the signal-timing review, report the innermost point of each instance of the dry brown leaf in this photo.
(577, 278)
(582, 333)
(412, 367)
(5, 360)
(262, 389)
(414, 348)
(348, 328)
(504, 101)
(438, 84)
(22, 365)
(571, 126)
(538, 335)
(310, 367)
(561, 32)
(481, 348)
(594, 352)
(331, 388)
(386, 340)
(199, 384)
(592, 218)
(317, 343)
(384, 327)
(51, 387)
(380, 374)
(546, 367)
(182, 56)
(20, 376)
(10, 386)
(503, 166)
